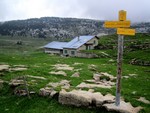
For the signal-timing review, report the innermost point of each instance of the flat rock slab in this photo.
(76, 74)
(63, 67)
(123, 108)
(58, 73)
(98, 76)
(18, 69)
(36, 77)
(4, 67)
(77, 63)
(84, 98)
(85, 85)
(64, 84)
(16, 82)
(144, 100)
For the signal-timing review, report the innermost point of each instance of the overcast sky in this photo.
(137, 10)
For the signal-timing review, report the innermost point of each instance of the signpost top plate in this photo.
(122, 15)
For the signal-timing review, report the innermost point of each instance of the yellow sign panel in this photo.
(116, 24)
(122, 15)
(123, 31)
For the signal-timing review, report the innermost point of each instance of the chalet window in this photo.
(72, 52)
(66, 51)
(94, 42)
(86, 47)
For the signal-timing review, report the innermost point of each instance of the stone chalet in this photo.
(73, 47)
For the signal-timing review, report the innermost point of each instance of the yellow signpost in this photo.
(122, 29)
(116, 24)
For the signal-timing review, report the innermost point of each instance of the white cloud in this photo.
(137, 10)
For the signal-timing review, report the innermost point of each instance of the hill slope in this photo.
(59, 28)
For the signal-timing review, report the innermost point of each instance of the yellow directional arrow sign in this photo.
(116, 24)
(123, 31)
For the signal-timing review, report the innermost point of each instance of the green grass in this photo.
(40, 64)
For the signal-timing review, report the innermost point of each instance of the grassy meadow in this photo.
(30, 54)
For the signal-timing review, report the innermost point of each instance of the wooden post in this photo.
(119, 69)
(122, 24)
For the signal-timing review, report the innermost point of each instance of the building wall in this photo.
(92, 43)
(75, 52)
(69, 52)
(52, 51)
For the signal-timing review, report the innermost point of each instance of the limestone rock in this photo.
(85, 85)
(144, 100)
(36, 77)
(84, 98)
(63, 67)
(18, 69)
(22, 92)
(123, 108)
(102, 75)
(92, 67)
(64, 84)
(76, 63)
(58, 73)
(16, 82)
(50, 92)
(77, 74)
(4, 67)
